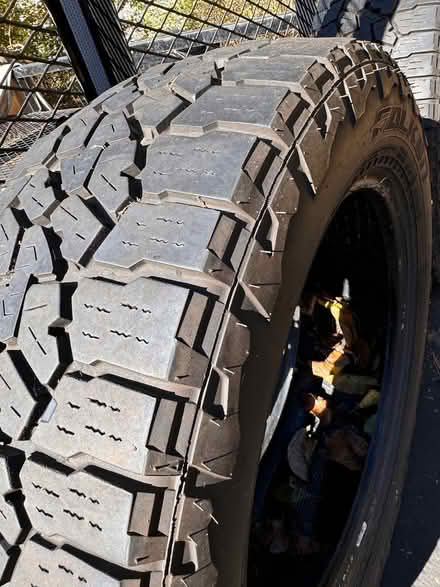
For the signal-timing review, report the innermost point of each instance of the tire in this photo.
(154, 249)
(409, 30)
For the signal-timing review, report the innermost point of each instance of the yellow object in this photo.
(327, 369)
(343, 315)
(336, 361)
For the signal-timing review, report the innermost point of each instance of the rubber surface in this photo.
(410, 31)
(130, 239)
(414, 559)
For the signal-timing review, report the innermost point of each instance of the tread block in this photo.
(429, 110)
(341, 60)
(41, 310)
(78, 228)
(358, 98)
(283, 71)
(17, 400)
(408, 4)
(183, 65)
(13, 520)
(242, 109)
(111, 129)
(9, 231)
(99, 101)
(282, 207)
(314, 147)
(133, 327)
(192, 83)
(163, 422)
(42, 153)
(211, 175)
(188, 78)
(155, 112)
(414, 44)
(427, 88)
(11, 299)
(9, 194)
(144, 504)
(225, 54)
(91, 418)
(110, 187)
(152, 83)
(194, 551)
(311, 47)
(261, 280)
(89, 512)
(225, 379)
(236, 345)
(10, 527)
(385, 83)
(196, 516)
(121, 101)
(171, 416)
(169, 234)
(417, 21)
(216, 450)
(159, 463)
(153, 71)
(80, 128)
(38, 198)
(34, 256)
(55, 567)
(207, 577)
(125, 153)
(219, 437)
(321, 76)
(225, 385)
(76, 169)
(203, 555)
(422, 65)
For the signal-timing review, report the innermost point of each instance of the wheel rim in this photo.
(358, 243)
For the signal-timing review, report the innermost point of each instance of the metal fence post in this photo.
(92, 35)
(306, 11)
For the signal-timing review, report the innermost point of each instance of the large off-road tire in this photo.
(153, 250)
(410, 31)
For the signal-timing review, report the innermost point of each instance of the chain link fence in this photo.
(39, 89)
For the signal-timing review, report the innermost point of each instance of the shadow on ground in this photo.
(350, 19)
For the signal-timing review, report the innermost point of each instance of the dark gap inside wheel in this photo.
(310, 472)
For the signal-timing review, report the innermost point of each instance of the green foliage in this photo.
(18, 40)
(39, 40)
(140, 19)
(176, 15)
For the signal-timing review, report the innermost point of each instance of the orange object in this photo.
(318, 406)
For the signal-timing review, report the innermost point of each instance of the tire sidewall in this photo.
(370, 525)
